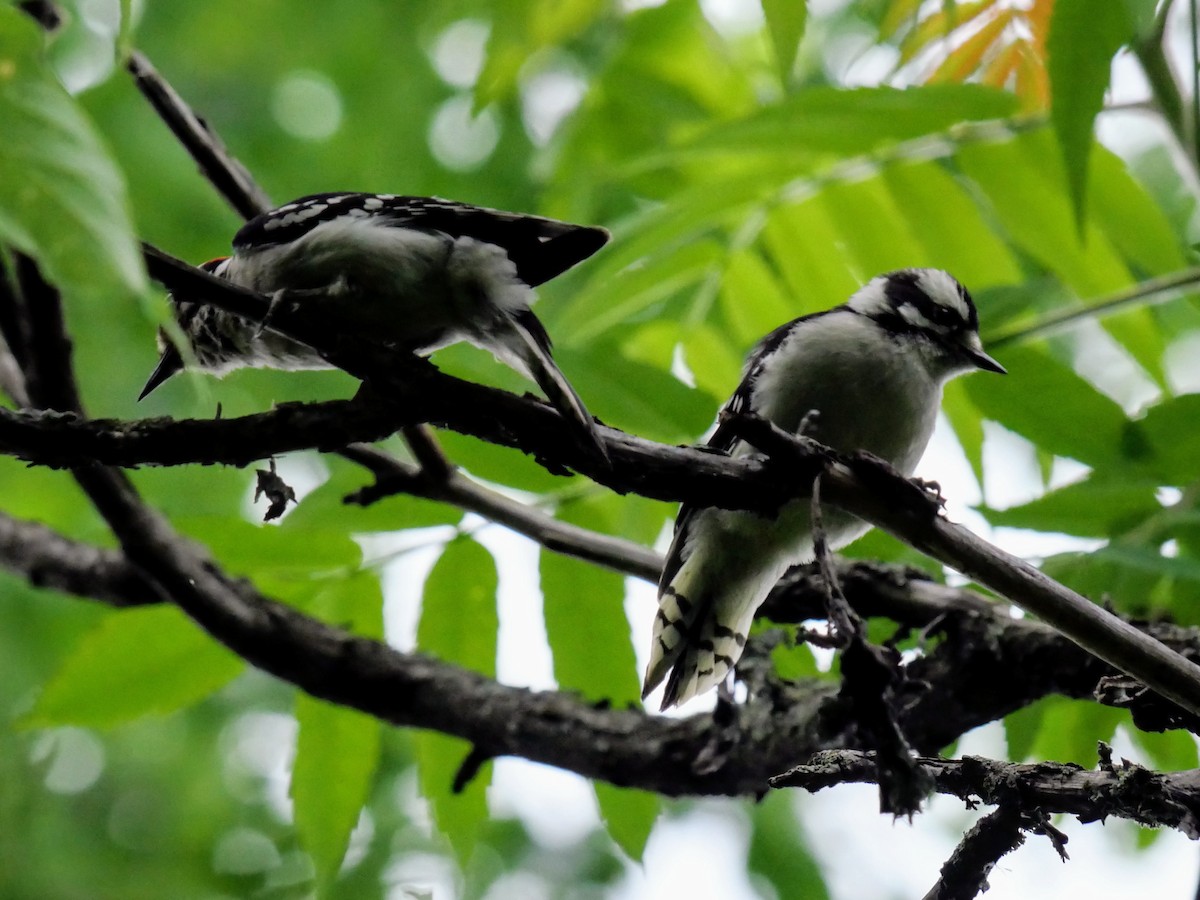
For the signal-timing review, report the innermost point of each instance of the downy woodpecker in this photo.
(418, 273)
(872, 371)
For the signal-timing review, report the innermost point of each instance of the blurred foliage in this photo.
(754, 165)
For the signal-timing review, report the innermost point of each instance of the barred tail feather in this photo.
(672, 624)
(699, 633)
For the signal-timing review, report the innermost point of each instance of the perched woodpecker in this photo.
(866, 375)
(417, 273)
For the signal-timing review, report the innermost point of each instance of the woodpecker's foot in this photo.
(277, 298)
(933, 489)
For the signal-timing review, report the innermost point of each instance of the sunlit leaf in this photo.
(950, 225)
(1084, 38)
(779, 853)
(636, 397)
(62, 199)
(146, 661)
(1096, 433)
(337, 752)
(1094, 507)
(585, 619)
(785, 22)
(323, 510)
(590, 641)
(853, 121)
(628, 815)
(337, 748)
(967, 56)
(458, 624)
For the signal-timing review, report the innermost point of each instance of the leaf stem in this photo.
(1150, 292)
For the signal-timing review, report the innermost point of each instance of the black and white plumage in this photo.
(417, 273)
(872, 369)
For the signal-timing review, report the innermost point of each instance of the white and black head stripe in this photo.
(918, 300)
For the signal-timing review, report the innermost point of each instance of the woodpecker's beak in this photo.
(170, 363)
(973, 348)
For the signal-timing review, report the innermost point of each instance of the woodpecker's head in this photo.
(931, 308)
(194, 320)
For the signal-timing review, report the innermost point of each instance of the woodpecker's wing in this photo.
(540, 248)
(687, 624)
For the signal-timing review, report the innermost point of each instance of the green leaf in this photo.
(585, 617)
(1170, 429)
(785, 22)
(1084, 37)
(803, 245)
(1130, 217)
(950, 225)
(1022, 181)
(590, 641)
(752, 300)
(1096, 432)
(636, 397)
(247, 548)
(1021, 730)
(459, 625)
(779, 851)
(964, 418)
(522, 28)
(635, 292)
(1169, 751)
(62, 199)
(147, 661)
(873, 231)
(1074, 727)
(1095, 507)
(852, 121)
(628, 815)
(323, 509)
(337, 752)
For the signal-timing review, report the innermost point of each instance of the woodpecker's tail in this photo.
(528, 349)
(700, 629)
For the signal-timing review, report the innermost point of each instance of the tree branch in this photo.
(227, 175)
(48, 560)
(965, 873)
(873, 491)
(1130, 792)
(393, 476)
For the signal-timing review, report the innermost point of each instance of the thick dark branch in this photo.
(49, 373)
(48, 560)
(1128, 791)
(624, 747)
(873, 491)
(227, 175)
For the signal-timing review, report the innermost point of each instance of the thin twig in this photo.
(965, 873)
(227, 175)
(455, 488)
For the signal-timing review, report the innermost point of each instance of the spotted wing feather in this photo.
(540, 248)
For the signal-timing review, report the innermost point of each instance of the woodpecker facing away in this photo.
(872, 371)
(418, 273)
